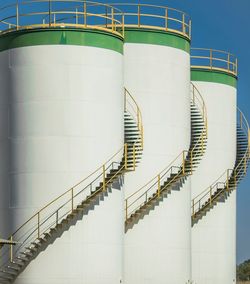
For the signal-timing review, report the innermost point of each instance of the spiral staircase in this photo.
(228, 181)
(173, 176)
(37, 233)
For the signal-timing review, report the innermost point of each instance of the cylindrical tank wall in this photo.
(214, 236)
(157, 248)
(65, 107)
(4, 150)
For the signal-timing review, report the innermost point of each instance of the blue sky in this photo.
(222, 24)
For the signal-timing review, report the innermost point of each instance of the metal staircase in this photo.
(174, 175)
(48, 224)
(133, 131)
(228, 181)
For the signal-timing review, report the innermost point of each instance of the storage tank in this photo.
(157, 73)
(62, 96)
(214, 231)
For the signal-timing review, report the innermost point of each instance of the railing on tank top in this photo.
(59, 208)
(158, 184)
(224, 181)
(155, 17)
(77, 14)
(212, 59)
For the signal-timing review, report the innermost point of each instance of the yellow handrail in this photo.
(156, 17)
(179, 163)
(224, 179)
(81, 14)
(100, 175)
(214, 59)
(156, 176)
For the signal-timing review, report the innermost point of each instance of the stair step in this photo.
(11, 273)
(32, 249)
(22, 258)
(36, 244)
(19, 265)
(25, 253)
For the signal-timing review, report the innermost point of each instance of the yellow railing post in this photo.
(38, 224)
(126, 209)
(183, 162)
(190, 28)
(85, 14)
(183, 24)
(126, 155)
(211, 59)
(139, 15)
(228, 61)
(103, 178)
(166, 19)
(236, 66)
(123, 23)
(159, 185)
(112, 16)
(134, 159)
(76, 16)
(72, 200)
(17, 16)
(49, 12)
(11, 249)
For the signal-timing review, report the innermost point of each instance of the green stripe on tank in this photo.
(214, 77)
(148, 36)
(64, 37)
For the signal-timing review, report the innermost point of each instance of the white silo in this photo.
(157, 73)
(63, 90)
(214, 231)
